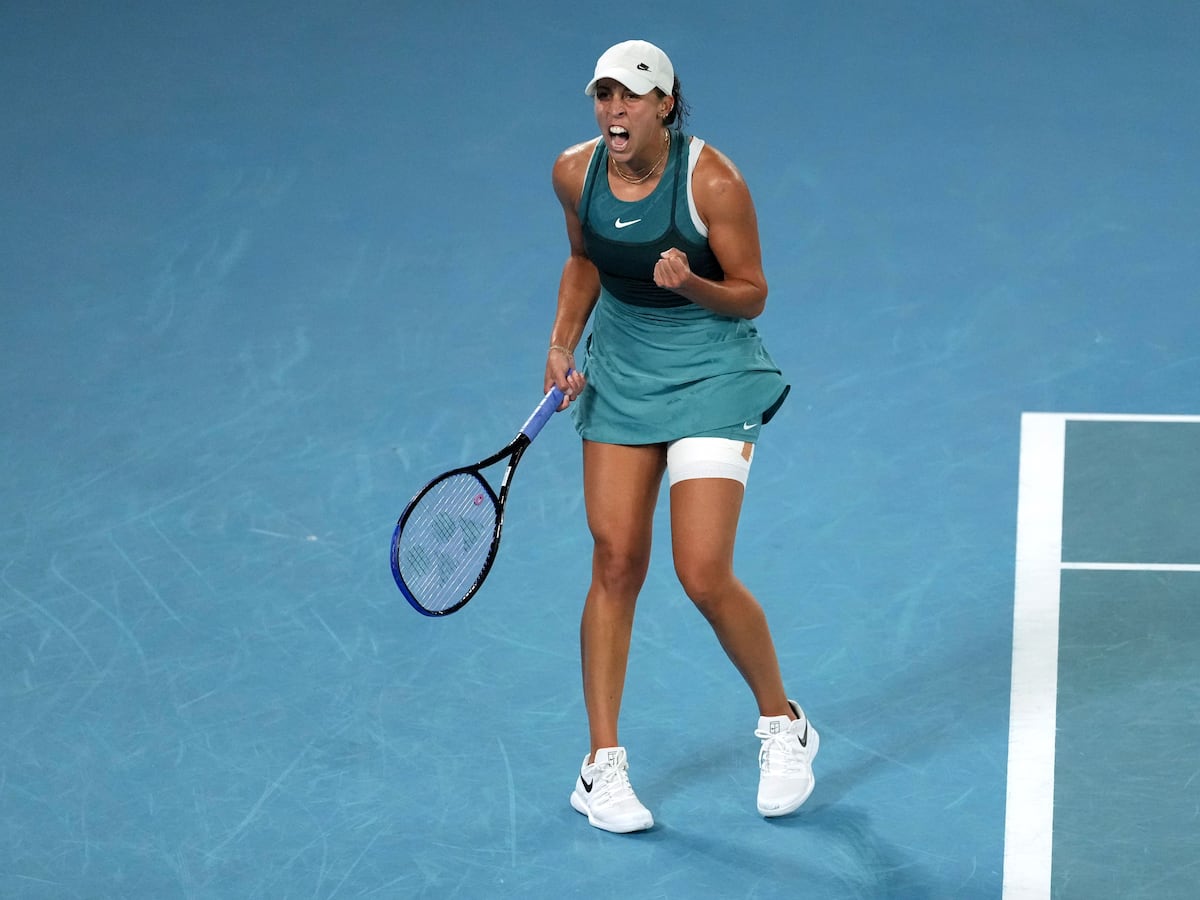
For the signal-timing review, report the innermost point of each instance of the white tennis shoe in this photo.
(603, 794)
(785, 761)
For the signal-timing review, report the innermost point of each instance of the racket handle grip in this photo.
(545, 409)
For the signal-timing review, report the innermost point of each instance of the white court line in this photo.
(1118, 417)
(1131, 567)
(1029, 819)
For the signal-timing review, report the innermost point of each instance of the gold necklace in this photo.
(645, 177)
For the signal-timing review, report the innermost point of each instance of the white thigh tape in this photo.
(709, 457)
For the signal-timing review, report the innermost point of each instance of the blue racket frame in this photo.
(514, 450)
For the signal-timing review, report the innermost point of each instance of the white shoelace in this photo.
(614, 786)
(782, 754)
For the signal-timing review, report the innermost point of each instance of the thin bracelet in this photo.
(561, 349)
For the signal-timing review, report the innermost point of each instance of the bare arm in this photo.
(725, 206)
(579, 286)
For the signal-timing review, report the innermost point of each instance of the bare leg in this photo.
(620, 487)
(704, 519)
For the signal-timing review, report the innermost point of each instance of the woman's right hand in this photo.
(561, 372)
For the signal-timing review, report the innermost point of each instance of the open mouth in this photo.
(618, 138)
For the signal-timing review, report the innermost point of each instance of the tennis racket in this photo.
(447, 537)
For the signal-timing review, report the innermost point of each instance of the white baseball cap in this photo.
(638, 65)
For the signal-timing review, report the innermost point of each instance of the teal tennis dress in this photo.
(660, 367)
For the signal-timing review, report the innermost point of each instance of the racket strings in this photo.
(446, 542)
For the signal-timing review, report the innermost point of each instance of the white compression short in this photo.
(709, 457)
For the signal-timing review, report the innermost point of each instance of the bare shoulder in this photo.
(716, 173)
(581, 151)
(570, 170)
(721, 193)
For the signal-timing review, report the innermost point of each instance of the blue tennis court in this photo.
(268, 268)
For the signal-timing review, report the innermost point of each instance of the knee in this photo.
(620, 568)
(708, 585)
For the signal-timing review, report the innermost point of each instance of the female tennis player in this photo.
(665, 263)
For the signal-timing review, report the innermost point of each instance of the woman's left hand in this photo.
(672, 270)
